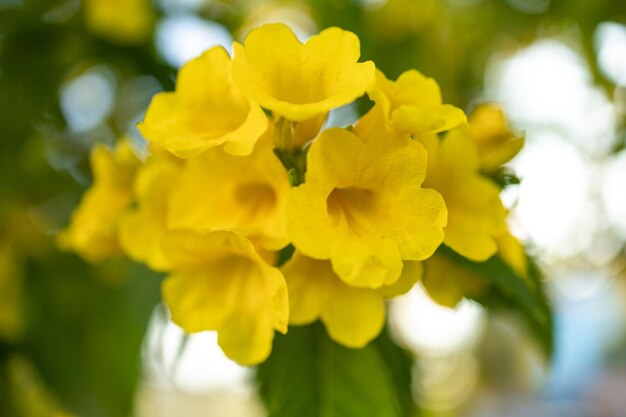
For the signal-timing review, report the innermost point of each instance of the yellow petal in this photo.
(218, 191)
(142, 227)
(93, 228)
(448, 282)
(299, 81)
(308, 284)
(219, 282)
(411, 273)
(205, 111)
(362, 206)
(369, 263)
(413, 104)
(475, 212)
(353, 316)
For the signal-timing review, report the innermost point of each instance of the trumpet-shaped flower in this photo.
(496, 142)
(362, 207)
(353, 316)
(413, 104)
(205, 111)
(299, 81)
(217, 191)
(142, 227)
(475, 212)
(219, 282)
(92, 232)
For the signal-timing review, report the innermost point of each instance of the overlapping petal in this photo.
(142, 227)
(219, 282)
(497, 144)
(92, 232)
(205, 111)
(353, 316)
(413, 104)
(217, 191)
(475, 212)
(362, 207)
(299, 81)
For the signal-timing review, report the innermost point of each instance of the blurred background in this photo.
(93, 340)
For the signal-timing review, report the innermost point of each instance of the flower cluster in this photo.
(242, 173)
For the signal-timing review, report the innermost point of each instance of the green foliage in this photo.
(309, 375)
(84, 331)
(510, 291)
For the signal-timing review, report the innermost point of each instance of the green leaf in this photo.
(85, 331)
(309, 375)
(513, 292)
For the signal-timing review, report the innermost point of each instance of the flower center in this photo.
(356, 206)
(256, 197)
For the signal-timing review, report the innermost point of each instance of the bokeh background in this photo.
(93, 340)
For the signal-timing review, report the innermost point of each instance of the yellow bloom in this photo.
(142, 227)
(219, 282)
(448, 282)
(362, 207)
(217, 191)
(299, 81)
(92, 232)
(120, 21)
(352, 316)
(413, 104)
(475, 212)
(205, 111)
(496, 142)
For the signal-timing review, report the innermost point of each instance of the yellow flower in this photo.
(219, 282)
(217, 191)
(496, 142)
(448, 282)
(413, 104)
(120, 21)
(205, 111)
(142, 227)
(353, 316)
(299, 81)
(92, 232)
(362, 207)
(475, 212)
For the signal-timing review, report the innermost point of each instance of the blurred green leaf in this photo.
(510, 291)
(309, 375)
(85, 329)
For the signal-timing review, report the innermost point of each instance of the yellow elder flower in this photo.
(219, 282)
(352, 316)
(362, 207)
(475, 212)
(120, 21)
(299, 81)
(217, 191)
(448, 282)
(413, 104)
(496, 142)
(142, 227)
(205, 111)
(92, 232)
